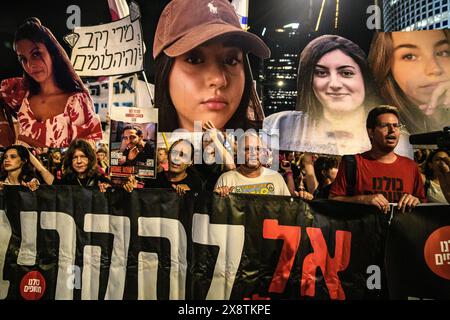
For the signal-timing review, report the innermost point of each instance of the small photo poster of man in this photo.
(133, 142)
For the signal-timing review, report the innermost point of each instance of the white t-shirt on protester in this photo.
(269, 182)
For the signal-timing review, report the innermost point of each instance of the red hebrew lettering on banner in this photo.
(329, 266)
(291, 237)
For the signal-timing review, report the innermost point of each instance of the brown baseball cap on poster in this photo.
(186, 24)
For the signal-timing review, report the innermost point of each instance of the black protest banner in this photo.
(87, 245)
(362, 228)
(75, 243)
(418, 254)
(294, 251)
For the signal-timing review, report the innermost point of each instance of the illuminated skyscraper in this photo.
(409, 15)
(280, 81)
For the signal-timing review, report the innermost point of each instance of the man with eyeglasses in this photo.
(251, 176)
(382, 176)
(138, 151)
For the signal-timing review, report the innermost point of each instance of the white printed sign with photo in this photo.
(133, 142)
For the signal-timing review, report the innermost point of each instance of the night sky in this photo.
(262, 13)
(352, 17)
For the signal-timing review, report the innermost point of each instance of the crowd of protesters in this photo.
(304, 175)
(206, 76)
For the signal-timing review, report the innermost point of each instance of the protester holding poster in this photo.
(53, 107)
(412, 70)
(202, 71)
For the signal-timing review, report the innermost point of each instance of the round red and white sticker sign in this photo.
(437, 252)
(32, 286)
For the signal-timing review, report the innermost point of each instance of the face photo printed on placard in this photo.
(335, 91)
(412, 72)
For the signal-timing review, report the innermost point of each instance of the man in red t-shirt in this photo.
(381, 175)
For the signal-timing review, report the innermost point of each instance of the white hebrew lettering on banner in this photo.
(172, 230)
(28, 230)
(66, 229)
(119, 227)
(230, 240)
(91, 272)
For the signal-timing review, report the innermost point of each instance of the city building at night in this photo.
(280, 81)
(409, 15)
